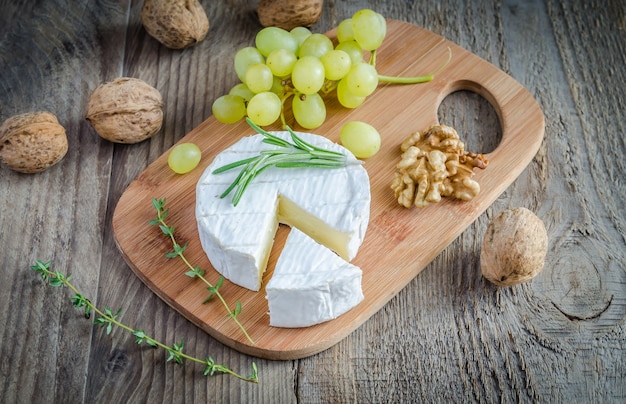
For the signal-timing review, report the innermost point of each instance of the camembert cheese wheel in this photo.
(331, 206)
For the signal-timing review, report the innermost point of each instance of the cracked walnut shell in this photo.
(125, 110)
(433, 165)
(32, 142)
(176, 24)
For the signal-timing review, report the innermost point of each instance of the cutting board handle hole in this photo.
(464, 107)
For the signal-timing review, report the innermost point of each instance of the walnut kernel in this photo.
(32, 142)
(125, 110)
(514, 247)
(434, 164)
(176, 24)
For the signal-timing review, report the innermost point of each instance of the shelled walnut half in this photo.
(434, 164)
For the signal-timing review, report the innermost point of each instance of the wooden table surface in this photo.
(449, 336)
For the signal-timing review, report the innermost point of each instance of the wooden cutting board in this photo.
(409, 238)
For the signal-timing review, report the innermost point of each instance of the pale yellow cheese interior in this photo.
(291, 214)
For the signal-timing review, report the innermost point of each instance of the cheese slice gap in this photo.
(310, 284)
(332, 206)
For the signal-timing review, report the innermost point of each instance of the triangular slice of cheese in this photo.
(330, 205)
(310, 284)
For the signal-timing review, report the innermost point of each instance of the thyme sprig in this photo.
(108, 319)
(194, 271)
(295, 154)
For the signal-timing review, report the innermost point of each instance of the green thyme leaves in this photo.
(194, 271)
(108, 319)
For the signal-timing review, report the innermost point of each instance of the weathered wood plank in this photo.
(189, 81)
(51, 54)
(448, 336)
(505, 344)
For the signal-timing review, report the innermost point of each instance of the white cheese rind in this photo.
(311, 284)
(237, 239)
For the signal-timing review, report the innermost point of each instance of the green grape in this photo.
(308, 75)
(229, 108)
(300, 33)
(278, 87)
(362, 139)
(184, 158)
(346, 98)
(353, 49)
(369, 28)
(259, 78)
(315, 45)
(264, 108)
(336, 63)
(344, 31)
(270, 38)
(245, 57)
(241, 90)
(362, 79)
(309, 110)
(280, 62)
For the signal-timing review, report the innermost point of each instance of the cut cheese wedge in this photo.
(331, 206)
(311, 284)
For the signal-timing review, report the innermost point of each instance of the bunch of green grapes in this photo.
(303, 66)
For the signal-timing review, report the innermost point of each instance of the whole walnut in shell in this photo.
(288, 14)
(176, 24)
(514, 247)
(32, 142)
(125, 110)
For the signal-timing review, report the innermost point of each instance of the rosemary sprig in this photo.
(194, 271)
(108, 319)
(295, 154)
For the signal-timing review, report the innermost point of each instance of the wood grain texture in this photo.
(449, 335)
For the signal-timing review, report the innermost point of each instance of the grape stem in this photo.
(414, 80)
(405, 80)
